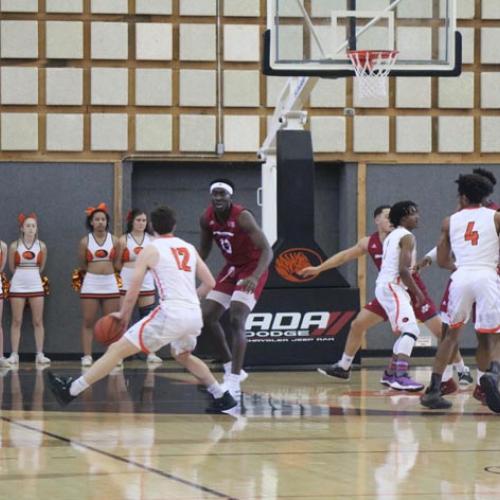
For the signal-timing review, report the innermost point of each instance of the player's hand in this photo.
(121, 318)
(422, 264)
(248, 284)
(309, 272)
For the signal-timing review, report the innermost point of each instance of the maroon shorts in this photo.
(423, 313)
(227, 279)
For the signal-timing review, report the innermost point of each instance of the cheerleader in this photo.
(98, 257)
(27, 258)
(3, 260)
(131, 244)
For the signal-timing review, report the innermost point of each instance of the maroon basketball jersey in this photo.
(235, 243)
(375, 249)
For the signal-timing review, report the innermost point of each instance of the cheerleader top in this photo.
(100, 253)
(28, 256)
(134, 248)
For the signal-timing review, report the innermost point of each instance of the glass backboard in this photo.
(312, 37)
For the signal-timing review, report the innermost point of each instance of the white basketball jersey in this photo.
(474, 238)
(389, 272)
(175, 273)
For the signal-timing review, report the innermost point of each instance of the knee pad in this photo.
(144, 311)
(406, 343)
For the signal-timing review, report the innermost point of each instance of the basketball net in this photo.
(372, 67)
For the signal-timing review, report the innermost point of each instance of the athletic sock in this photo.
(78, 386)
(435, 385)
(346, 361)
(215, 390)
(448, 373)
(460, 366)
(233, 381)
(479, 375)
(227, 367)
(401, 367)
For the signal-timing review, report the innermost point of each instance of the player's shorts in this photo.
(147, 287)
(227, 290)
(479, 285)
(178, 326)
(99, 286)
(423, 313)
(26, 282)
(396, 303)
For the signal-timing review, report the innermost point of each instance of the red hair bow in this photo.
(129, 216)
(21, 217)
(101, 207)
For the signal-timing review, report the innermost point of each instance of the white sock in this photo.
(479, 375)
(460, 366)
(448, 373)
(233, 381)
(227, 367)
(346, 361)
(78, 386)
(215, 390)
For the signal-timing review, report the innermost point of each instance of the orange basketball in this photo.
(107, 330)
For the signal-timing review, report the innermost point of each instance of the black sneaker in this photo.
(222, 404)
(489, 385)
(435, 401)
(465, 378)
(336, 371)
(60, 388)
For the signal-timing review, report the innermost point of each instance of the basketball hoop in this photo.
(372, 67)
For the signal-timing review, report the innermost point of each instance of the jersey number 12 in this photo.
(181, 255)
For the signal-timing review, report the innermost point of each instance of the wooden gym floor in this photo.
(143, 434)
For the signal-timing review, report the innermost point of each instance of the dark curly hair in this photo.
(487, 175)
(399, 210)
(474, 187)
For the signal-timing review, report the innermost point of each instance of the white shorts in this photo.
(225, 300)
(26, 282)
(396, 302)
(147, 287)
(178, 327)
(479, 286)
(99, 286)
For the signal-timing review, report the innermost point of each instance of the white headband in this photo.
(221, 185)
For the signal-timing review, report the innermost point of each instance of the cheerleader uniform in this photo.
(130, 254)
(100, 286)
(26, 281)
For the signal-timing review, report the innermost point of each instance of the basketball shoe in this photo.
(387, 379)
(465, 378)
(222, 404)
(41, 359)
(448, 387)
(434, 400)
(479, 394)
(60, 386)
(489, 385)
(336, 371)
(404, 382)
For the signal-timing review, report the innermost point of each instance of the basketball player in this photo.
(240, 282)
(471, 235)
(98, 255)
(393, 287)
(27, 258)
(3, 260)
(177, 321)
(373, 313)
(131, 244)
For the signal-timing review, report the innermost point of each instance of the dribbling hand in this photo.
(121, 318)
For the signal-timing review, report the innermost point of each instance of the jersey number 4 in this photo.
(471, 235)
(181, 256)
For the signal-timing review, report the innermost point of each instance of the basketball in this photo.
(107, 330)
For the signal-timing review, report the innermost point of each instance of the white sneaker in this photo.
(4, 363)
(13, 359)
(243, 376)
(153, 358)
(87, 360)
(42, 359)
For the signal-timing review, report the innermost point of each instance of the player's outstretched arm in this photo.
(248, 223)
(444, 255)
(205, 239)
(205, 276)
(407, 244)
(340, 258)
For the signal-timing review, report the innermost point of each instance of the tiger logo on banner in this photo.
(292, 260)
